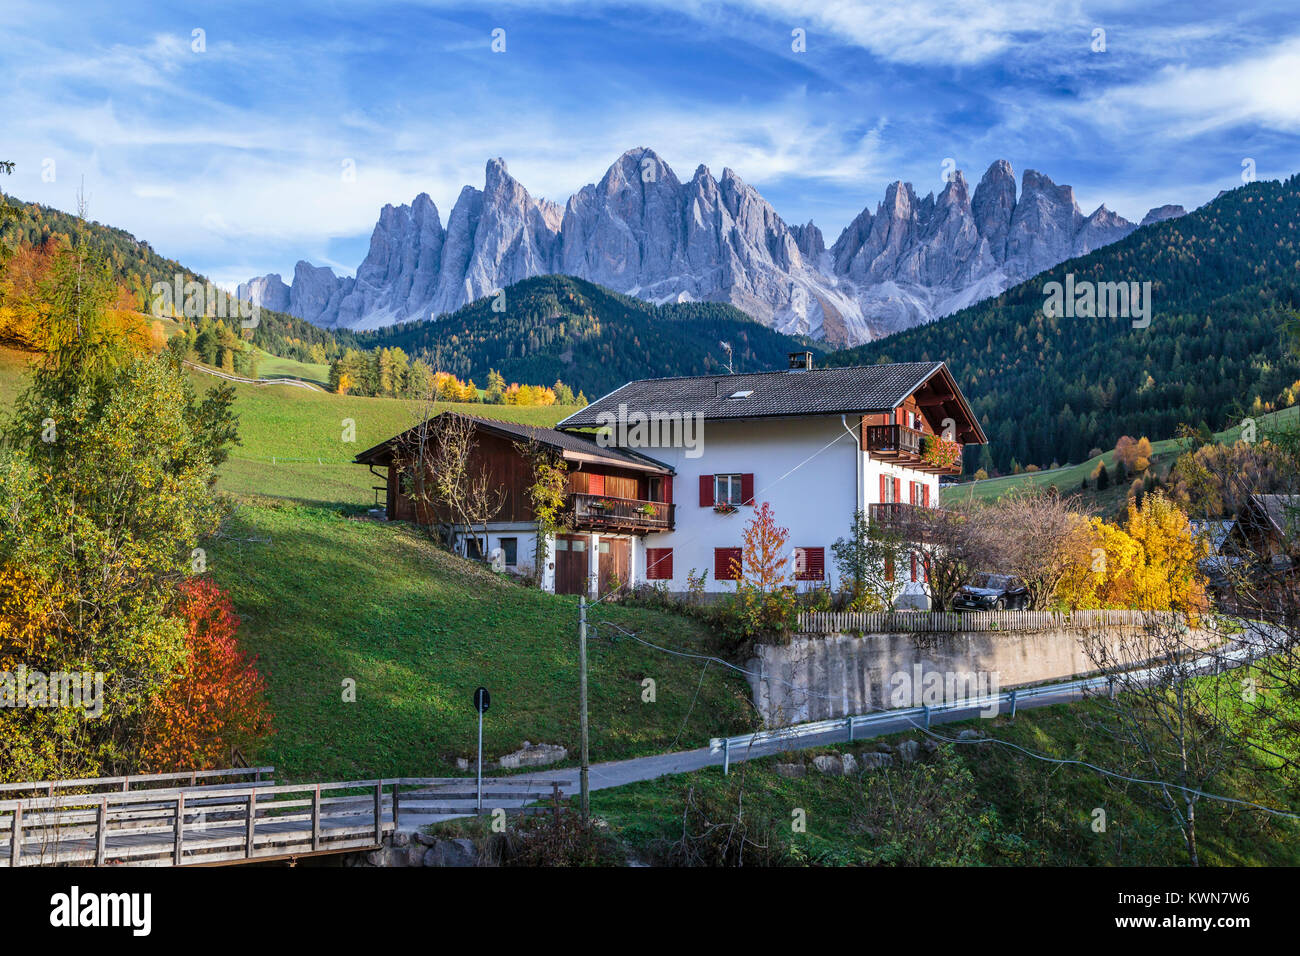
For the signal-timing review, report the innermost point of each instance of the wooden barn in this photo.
(614, 496)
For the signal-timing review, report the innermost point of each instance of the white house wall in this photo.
(807, 469)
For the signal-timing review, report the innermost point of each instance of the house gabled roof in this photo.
(574, 447)
(859, 389)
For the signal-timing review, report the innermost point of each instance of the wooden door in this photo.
(615, 562)
(571, 563)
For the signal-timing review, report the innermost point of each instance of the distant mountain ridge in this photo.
(1225, 282)
(644, 232)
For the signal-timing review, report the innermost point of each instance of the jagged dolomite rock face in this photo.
(644, 232)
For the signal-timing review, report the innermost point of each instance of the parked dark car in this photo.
(992, 592)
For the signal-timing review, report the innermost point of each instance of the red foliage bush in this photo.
(216, 701)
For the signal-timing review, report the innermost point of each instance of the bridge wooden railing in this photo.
(180, 780)
(235, 824)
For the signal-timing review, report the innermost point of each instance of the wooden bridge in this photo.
(234, 816)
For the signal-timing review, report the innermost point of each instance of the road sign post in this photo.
(583, 776)
(482, 700)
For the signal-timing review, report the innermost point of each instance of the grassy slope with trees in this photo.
(1052, 389)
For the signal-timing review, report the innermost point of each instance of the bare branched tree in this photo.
(1038, 537)
(440, 473)
(1168, 715)
(951, 545)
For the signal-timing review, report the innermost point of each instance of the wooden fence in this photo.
(913, 622)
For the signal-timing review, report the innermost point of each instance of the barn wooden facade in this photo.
(614, 495)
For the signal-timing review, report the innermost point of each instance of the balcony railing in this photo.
(914, 449)
(891, 512)
(603, 513)
(893, 440)
(914, 522)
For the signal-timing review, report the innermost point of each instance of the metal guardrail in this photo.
(851, 725)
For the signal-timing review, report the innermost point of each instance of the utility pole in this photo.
(582, 697)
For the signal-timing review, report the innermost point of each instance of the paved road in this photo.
(619, 773)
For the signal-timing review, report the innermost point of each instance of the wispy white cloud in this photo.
(1256, 89)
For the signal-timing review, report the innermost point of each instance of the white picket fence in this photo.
(912, 622)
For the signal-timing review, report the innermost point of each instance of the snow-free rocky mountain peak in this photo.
(643, 231)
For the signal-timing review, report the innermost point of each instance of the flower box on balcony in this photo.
(647, 509)
(940, 453)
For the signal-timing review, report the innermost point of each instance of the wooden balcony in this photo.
(892, 512)
(914, 522)
(625, 515)
(907, 447)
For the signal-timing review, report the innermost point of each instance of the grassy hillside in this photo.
(325, 598)
(1223, 281)
(988, 805)
(292, 438)
(273, 366)
(1068, 479)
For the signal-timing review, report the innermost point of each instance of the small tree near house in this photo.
(765, 600)
(547, 493)
(764, 556)
(866, 560)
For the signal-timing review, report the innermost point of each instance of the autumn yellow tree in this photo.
(1150, 563)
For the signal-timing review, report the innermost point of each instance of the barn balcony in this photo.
(622, 515)
(915, 449)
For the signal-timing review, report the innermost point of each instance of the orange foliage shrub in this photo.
(216, 701)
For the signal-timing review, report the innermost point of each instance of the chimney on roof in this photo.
(800, 361)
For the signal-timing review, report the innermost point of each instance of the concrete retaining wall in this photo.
(833, 675)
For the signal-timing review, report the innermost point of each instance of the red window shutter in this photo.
(746, 489)
(889, 569)
(667, 485)
(898, 416)
(810, 564)
(706, 491)
(883, 479)
(725, 562)
(925, 496)
(595, 484)
(913, 567)
(658, 564)
(898, 489)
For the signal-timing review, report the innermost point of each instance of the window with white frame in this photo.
(726, 490)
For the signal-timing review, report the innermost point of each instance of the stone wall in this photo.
(825, 676)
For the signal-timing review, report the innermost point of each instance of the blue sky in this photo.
(231, 159)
